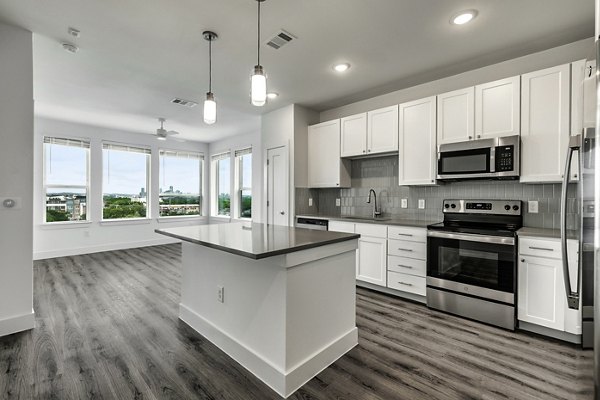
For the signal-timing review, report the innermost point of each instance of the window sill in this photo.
(182, 218)
(126, 221)
(65, 225)
(221, 218)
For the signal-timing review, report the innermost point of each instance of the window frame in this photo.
(46, 186)
(201, 185)
(239, 177)
(148, 153)
(214, 196)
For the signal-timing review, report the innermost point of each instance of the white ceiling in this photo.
(137, 55)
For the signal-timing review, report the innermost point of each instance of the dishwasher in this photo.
(318, 224)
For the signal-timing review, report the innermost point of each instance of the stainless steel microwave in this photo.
(497, 158)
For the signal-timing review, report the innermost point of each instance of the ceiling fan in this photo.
(162, 133)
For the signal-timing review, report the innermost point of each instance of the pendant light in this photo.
(210, 105)
(258, 79)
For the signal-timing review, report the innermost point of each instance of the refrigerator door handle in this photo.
(572, 296)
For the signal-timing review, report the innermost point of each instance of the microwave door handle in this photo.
(493, 159)
(572, 297)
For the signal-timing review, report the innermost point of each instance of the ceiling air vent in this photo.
(185, 103)
(280, 39)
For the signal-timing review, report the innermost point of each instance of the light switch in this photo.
(421, 204)
(532, 207)
(404, 203)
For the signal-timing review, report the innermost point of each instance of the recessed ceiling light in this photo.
(71, 48)
(463, 17)
(341, 67)
(272, 95)
(74, 32)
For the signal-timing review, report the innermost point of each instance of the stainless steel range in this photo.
(472, 260)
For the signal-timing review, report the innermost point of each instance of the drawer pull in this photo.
(401, 249)
(405, 266)
(405, 284)
(540, 248)
(405, 234)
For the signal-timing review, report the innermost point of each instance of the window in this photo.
(66, 179)
(221, 167)
(180, 183)
(243, 160)
(124, 181)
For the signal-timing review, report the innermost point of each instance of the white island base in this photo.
(285, 318)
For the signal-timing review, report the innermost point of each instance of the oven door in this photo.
(467, 163)
(474, 265)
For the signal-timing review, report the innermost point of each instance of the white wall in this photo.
(16, 173)
(232, 144)
(532, 62)
(53, 240)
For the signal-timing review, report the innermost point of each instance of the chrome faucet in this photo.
(376, 211)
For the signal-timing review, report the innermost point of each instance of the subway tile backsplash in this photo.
(381, 174)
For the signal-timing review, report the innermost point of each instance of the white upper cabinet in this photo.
(382, 132)
(417, 142)
(497, 108)
(545, 97)
(325, 167)
(455, 122)
(354, 135)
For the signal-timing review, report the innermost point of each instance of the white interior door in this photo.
(277, 186)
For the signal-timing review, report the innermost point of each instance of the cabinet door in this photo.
(417, 153)
(544, 124)
(325, 167)
(372, 260)
(382, 130)
(498, 108)
(354, 135)
(455, 122)
(541, 298)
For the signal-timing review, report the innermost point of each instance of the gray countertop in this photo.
(545, 233)
(255, 240)
(383, 221)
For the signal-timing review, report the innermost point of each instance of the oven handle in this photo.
(510, 241)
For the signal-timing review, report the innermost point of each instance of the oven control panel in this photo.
(497, 207)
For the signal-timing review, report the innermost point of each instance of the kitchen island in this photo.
(278, 300)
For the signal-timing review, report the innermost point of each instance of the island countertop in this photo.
(254, 240)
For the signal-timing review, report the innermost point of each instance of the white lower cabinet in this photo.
(406, 283)
(541, 293)
(372, 260)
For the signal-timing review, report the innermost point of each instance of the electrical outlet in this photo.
(338, 202)
(421, 204)
(220, 294)
(404, 203)
(310, 203)
(532, 207)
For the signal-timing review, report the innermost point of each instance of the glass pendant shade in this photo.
(210, 109)
(259, 87)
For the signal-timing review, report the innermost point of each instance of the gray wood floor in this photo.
(107, 328)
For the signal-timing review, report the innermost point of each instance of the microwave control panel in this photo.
(505, 156)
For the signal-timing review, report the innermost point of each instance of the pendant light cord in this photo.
(258, 40)
(210, 65)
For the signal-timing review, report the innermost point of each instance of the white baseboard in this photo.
(16, 324)
(283, 382)
(41, 255)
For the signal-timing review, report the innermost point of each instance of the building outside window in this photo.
(180, 183)
(124, 181)
(66, 179)
(243, 160)
(221, 188)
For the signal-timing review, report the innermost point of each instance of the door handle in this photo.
(405, 266)
(405, 284)
(401, 249)
(540, 248)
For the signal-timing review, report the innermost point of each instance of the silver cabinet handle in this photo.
(470, 137)
(401, 249)
(478, 136)
(405, 234)
(405, 284)
(540, 248)
(405, 266)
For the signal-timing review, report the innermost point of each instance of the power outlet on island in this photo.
(220, 294)
(421, 204)
(404, 203)
(310, 203)
(532, 207)
(338, 202)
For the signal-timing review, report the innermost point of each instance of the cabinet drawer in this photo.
(407, 233)
(338, 226)
(540, 248)
(406, 283)
(408, 266)
(404, 248)
(372, 230)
